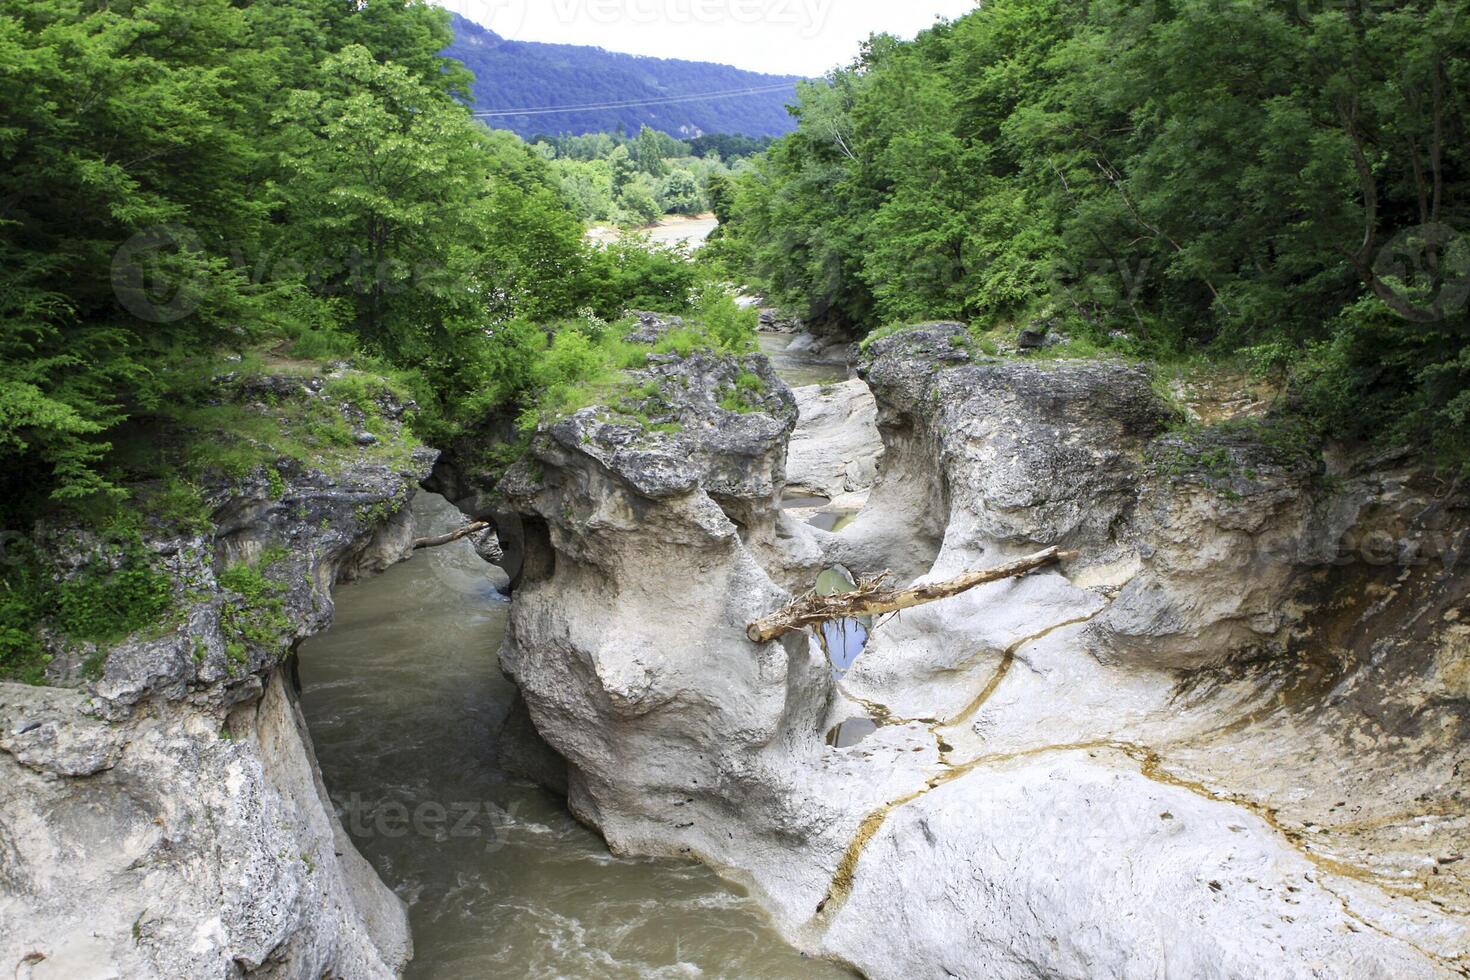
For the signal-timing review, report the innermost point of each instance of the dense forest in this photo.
(635, 180)
(183, 181)
(526, 74)
(1284, 181)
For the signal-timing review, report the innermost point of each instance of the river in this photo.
(403, 697)
(800, 369)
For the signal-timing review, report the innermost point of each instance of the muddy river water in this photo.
(403, 697)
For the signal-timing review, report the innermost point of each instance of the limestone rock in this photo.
(836, 446)
(652, 327)
(1181, 752)
(521, 751)
(165, 818)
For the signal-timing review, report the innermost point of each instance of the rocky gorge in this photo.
(1226, 737)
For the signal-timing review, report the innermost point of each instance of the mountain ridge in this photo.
(683, 98)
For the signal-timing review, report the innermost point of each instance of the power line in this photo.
(728, 93)
(632, 103)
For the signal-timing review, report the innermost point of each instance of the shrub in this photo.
(731, 328)
(104, 604)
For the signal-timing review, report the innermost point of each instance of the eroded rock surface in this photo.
(1199, 748)
(163, 815)
(836, 449)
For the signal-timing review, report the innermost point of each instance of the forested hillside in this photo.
(1279, 180)
(186, 180)
(521, 74)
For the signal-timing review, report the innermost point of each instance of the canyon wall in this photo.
(161, 812)
(1227, 739)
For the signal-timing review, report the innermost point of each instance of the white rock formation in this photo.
(180, 847)
(836, 448)
(1182, 754)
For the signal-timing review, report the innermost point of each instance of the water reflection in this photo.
(842, 639)
(800, 369)
(803, 501)
(850, 732)
(833, 521)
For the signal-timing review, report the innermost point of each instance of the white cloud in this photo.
(795, 37)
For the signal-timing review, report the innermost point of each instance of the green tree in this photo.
(648, 150)
(638, 201)
(105, 109)
(363, 154)
(678, 193)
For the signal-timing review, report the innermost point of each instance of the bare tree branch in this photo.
(439, 541)
(871, 598)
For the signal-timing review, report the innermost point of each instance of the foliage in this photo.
(180, 180)
(635, 180)
(105, 603)
(728, 147)
(24, 598)
(387, 189)
(586, 362)
(1163, 178)
(137, 161)
(117, 592)
(747, 394)
(731, 327)
(254, 616)
(632, 275)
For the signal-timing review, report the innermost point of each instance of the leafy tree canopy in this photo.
(180, 179)
(1287, 178)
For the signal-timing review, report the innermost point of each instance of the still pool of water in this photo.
(799, 369)
(851, 732)
(843, 640)
(403, 697)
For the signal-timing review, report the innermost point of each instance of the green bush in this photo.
(630, 275)
(683, 342)
(105, 604)
(747, 396)
(1382, 379)
(111, 598)
(731, 328)
(258, 619)
(24, 602)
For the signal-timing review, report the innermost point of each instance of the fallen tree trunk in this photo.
(870, 598)
(452, 536)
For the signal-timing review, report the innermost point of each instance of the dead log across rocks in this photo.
(452, 536)
(871, 598)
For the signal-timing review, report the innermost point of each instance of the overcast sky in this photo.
(790, 37)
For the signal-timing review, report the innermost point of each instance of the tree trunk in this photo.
(452, 536)
(871, 599)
